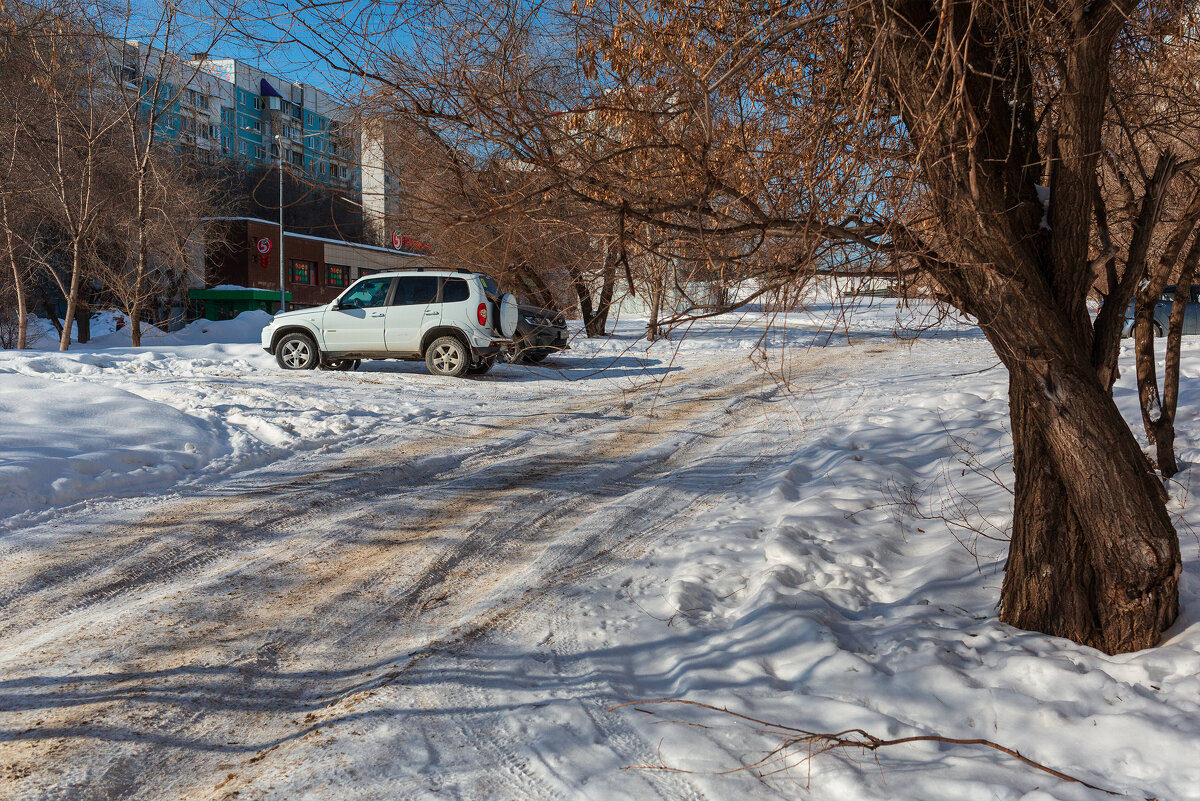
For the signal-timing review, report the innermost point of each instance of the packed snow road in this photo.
(184, 651)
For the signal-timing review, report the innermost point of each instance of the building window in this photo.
(297, 158)
(336, 274)
(303, 272)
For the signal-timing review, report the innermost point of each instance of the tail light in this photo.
(483, 314)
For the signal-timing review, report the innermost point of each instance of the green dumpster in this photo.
(227, 303)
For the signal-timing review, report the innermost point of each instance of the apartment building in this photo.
(256, 106)
(228, 109)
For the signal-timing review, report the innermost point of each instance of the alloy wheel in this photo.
(447, 358)
(296, 354)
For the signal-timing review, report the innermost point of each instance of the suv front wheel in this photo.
(448, 356)
(297, 352)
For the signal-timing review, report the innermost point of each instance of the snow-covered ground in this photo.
(219, 578)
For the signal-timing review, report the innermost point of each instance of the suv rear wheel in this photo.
(448, 356)
(297, 352)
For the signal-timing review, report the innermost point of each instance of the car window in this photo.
(367, 294)
(455, 291)
(1167, 296)
(1195, 295)
(490, 286)
(414, 290)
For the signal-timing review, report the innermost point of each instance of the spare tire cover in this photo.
(508, 315)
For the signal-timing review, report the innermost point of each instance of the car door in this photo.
(413, 311)
(357, 324)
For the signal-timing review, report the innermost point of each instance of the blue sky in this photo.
(266, 46)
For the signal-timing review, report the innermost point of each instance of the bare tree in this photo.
(71, 162)
(19, 110)
(151, 82)
(498, 215)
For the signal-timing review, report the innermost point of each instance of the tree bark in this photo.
(1093, 556)
(139, 278)
(18, 284)
(1164, 433)
(608, 285)
(656, 299)
(584, 295)
(64, 341)
(83, 322)
(51, 315)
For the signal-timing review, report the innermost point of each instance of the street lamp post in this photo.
(282, 293)
(279, 143)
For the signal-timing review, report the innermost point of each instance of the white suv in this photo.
(455, 320)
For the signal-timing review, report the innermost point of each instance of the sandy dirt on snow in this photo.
(185, 655)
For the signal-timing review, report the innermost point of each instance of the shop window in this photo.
(336, 274)
(303, 272)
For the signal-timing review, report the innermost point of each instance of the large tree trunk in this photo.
(1093, 556)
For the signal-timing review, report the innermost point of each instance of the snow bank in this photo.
(64, 441)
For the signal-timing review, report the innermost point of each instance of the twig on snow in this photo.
(815, 743)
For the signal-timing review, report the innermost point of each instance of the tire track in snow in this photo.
(627, 535)
(175, 566)
(604, 531)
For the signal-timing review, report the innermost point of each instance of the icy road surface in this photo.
(222, 581)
